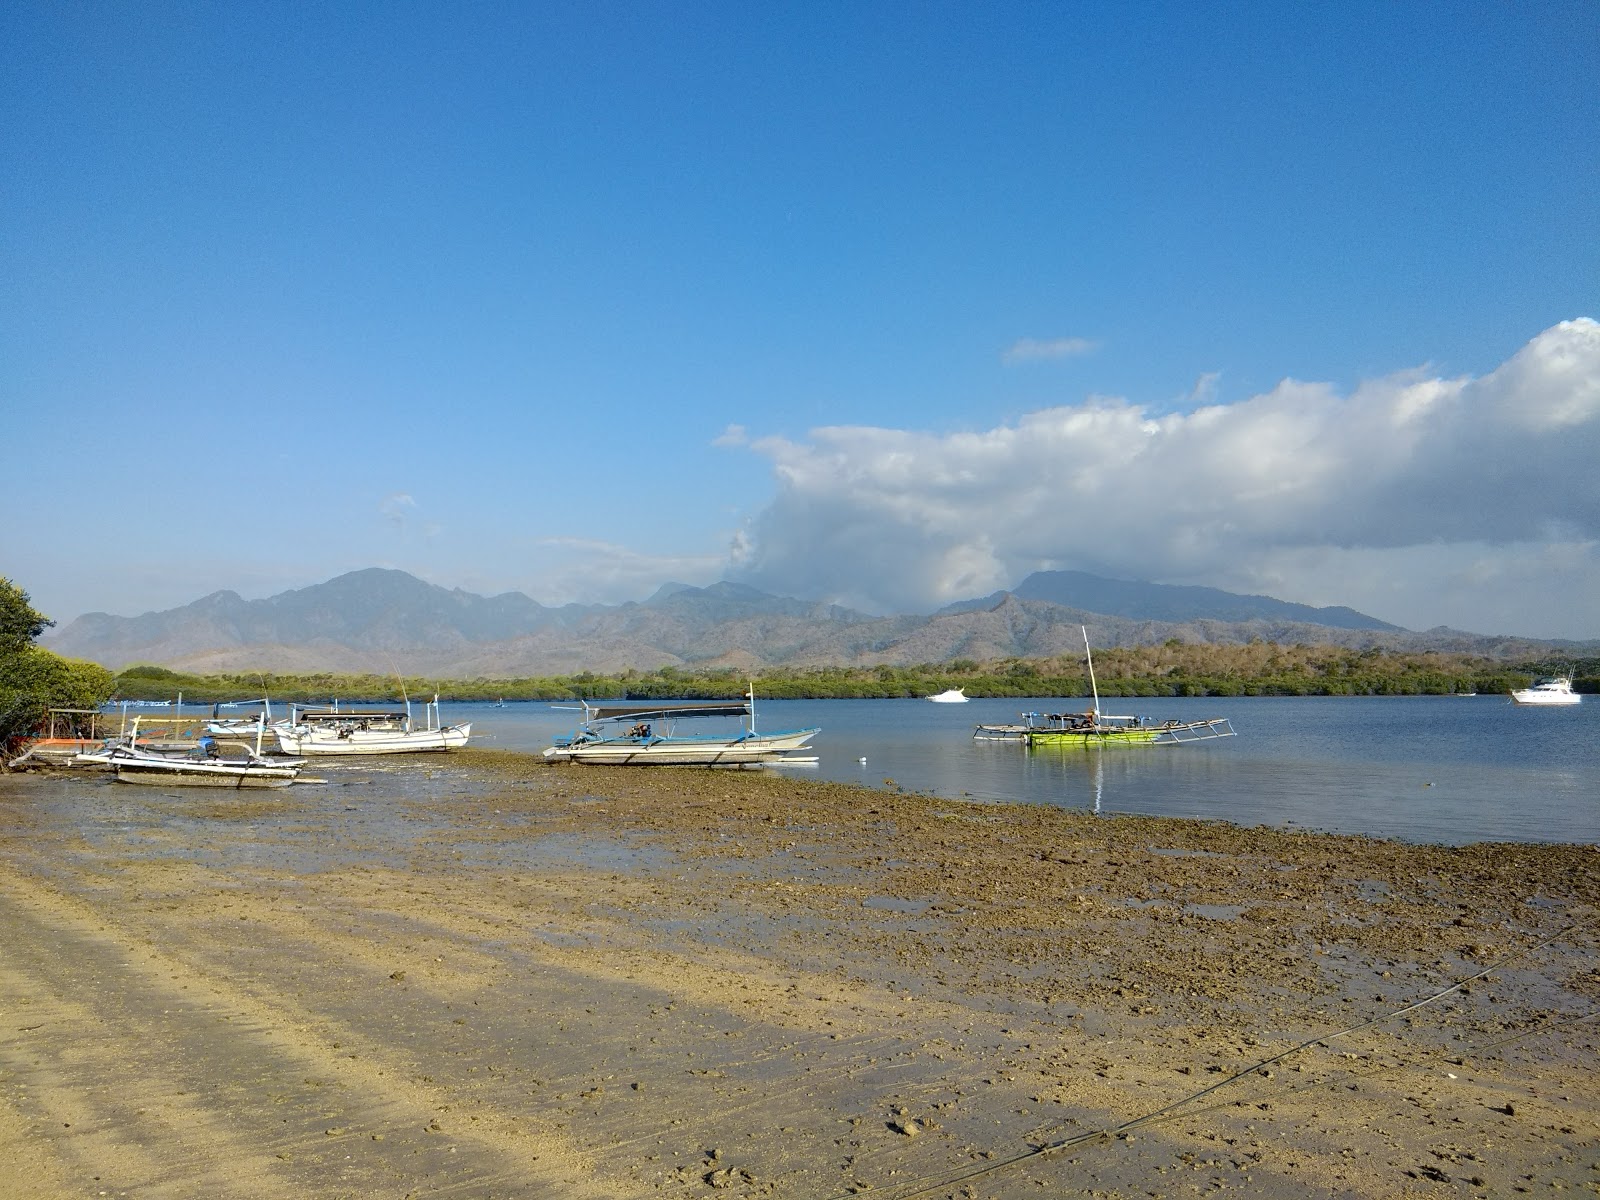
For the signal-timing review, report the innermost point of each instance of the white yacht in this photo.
(1556, 689)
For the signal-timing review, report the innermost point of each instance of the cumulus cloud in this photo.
(1388, 496)
(1036, 349)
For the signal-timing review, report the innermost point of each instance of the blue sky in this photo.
(887, 304)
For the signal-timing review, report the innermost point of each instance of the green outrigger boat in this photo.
(1095, 728)
(1100, 729)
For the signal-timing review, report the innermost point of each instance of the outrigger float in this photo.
(1095, 728)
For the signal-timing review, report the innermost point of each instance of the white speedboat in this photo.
(1555, 689)
(368, 731)
(951, 696)
(646, 734)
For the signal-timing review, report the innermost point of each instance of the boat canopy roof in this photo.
(665, 712)
(351, 714)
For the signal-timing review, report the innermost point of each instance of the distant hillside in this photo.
(1166, 602)
(380, 621)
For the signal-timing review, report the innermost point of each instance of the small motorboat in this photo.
(950, 696)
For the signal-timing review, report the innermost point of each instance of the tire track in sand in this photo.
(138, 1075)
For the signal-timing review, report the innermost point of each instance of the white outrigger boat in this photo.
(203, 765)
(1554, 689)
(368, 731)
(646, 734)
(133, 765)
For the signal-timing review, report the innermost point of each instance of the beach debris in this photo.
(906, 1125)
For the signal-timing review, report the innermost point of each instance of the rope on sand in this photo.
(1171, 1112)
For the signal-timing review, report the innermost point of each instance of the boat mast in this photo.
(1092, 688)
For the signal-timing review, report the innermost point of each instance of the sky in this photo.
(883, 304)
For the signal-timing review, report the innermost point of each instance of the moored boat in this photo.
(68, 733)
(1095, 728)
(197, 768)
(1550, 690)
(368, 731)
(646, 734)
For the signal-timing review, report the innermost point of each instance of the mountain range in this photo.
(381, 621)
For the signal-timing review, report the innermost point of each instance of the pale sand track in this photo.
(481, 977)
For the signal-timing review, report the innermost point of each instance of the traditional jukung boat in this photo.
(68, 733)
(368, 731)
(1555, 689)
(646, 734)
(197, 769)
(1095, 728)
(240, 727)
(202, 765)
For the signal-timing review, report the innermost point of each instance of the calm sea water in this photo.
(1448, 770)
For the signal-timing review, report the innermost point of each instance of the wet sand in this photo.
(482, 977)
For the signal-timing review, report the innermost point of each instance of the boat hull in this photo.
(1167, 733)
(1091, 737)
(203, 774)
(684, 752)
(372, 741)
(1547, 693)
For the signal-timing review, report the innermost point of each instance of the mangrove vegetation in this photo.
(1173, 668)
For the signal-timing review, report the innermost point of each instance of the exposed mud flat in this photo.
(477, 976)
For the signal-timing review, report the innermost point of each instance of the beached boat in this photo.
(646, 734)
(196, 768)
(368, 731)
(68, 733)
(950, 696)
(1554, 689)
(1095, 728)
(240, 727)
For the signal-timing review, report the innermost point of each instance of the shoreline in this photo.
(523, 980)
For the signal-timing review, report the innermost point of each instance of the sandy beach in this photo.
(480, 976)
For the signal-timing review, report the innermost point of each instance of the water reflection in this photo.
(1440, 769)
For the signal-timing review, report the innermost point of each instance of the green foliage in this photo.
(20, 623)
(1172, 669)
(33, 680)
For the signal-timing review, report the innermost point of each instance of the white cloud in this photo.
(1410, 490)
(1037, 350)
(588, 571)
(396, 507)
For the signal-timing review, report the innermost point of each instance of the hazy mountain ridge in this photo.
(380, 621)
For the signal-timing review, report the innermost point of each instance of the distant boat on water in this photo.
(950, 696)
(1554, 690)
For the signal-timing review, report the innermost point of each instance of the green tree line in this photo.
(1174, 668)
(34, 680)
